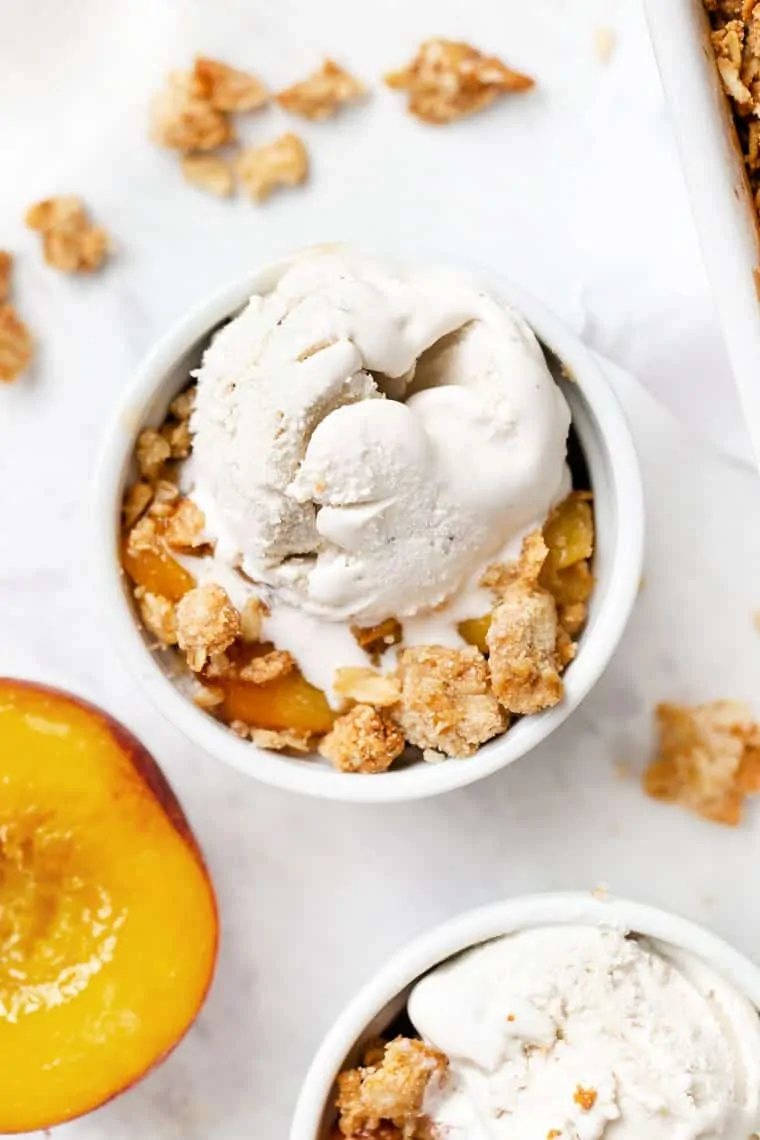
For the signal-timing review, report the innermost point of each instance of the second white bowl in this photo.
(613, 467)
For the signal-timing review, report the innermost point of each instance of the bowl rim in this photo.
(420, 781)
(468, 929)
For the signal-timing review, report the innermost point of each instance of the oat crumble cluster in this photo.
(736, 43)
(382, 1099)
(70, 242)
(708, 759)
(441, 701)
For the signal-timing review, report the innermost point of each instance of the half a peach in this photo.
(108, 923)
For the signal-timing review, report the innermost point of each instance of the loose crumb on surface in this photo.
(262, 169)
(227, 88)
(604, 44)
(16, 344)
(708, 759)
(70, 242)
(447, 80)
(323, 93)
(389, 1091)
(363, 740)
(209, 172)
(183, 119)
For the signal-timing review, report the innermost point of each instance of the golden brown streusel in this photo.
(251, 620)
(208, 697)
(728, 45)
(366, 686)
(362, 740)
(69, 240)
(446, 699)
(391, 1091)
(522, 638)
(183, 119)
(209, 172)
(321, 95)
(136, 502)
(152, 452)
(178, 436)
(165, 496)
(708, 759)
(6, 269)
(185, 528)
(282, 739)
(262, 169)
(15, 344)
(158, 615)
(269, 667)
(447, 80)
(207, 623)
(226, 88)
(182, 405)
(143, 536)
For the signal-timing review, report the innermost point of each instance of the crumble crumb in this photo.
(708, 759)
(182, 405)
(208, 697)
(366, 686)
(15, 344)
(158, 616)
(183, 119)
(282, 739)
(446, 701)
(69, 240)
(522, 638)
(604, 44)
(260, 670)
(209, 172)
(143, 536)
(226, 88)
(179, 438)
(6, 268)
(185, 528)
(151, 452)
(585, 1098)
(240, 728)
(136, 502)
(447, 80)
(322, 94)
(207, 623)
(251, 620)
(363, 740)
(262, 169)
(390, 1091)
(728, 45)
(430, 756)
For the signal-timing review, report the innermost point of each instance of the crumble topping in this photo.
(251, 619)
(15, 344)
(209, 172)
(282, 739)
(363, 740)
(262, 169)
(446, 700)
(185, 528)
(522, 638)
(183, 119)
(447, 80)
(182, 405)
(708, 759)
(272, 665)
(151, 452)
(366, 686)
(207, 623)
(143, 536)
(390, 1090)
(69, 240)
(226, 88)
(136, 502)
(158, 615)
(323, 93)
(179, 439)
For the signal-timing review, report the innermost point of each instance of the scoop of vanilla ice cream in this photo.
(582, 1033)
(367, 436)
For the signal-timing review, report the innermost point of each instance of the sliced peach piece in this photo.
(474, 631)
(158, 572)
(286, 702)
(569, 532)
(108, 923)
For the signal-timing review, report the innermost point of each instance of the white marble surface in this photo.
(576, 192)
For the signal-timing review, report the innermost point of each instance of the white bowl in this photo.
(615, 479)
(720, 197)
(377, 1005)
